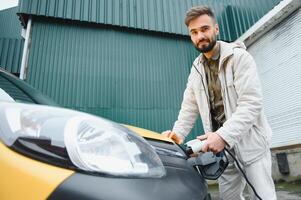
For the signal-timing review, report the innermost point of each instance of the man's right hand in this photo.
(173, 136)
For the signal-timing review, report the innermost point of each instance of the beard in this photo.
(206, 48)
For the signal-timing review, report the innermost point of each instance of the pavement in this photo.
(284, 191)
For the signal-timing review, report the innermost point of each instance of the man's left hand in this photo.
(214, 142)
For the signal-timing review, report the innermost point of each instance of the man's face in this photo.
(203, 32)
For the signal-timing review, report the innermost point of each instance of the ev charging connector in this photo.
(209, 165)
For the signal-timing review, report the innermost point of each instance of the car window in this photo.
(13, 91)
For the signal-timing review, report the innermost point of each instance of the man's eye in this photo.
(205, 29)
(193, 32)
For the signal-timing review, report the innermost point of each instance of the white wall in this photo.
(278, 57)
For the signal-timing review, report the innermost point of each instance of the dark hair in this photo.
(197, 11)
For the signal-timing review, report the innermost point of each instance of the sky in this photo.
(4, 4)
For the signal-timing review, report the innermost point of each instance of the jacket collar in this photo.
(226, 50)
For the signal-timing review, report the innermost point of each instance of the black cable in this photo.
(244, 175)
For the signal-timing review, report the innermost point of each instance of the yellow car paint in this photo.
(25, 178)
(149, 134)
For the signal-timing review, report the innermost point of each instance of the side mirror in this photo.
(209, 165)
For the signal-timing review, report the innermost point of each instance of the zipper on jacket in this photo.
(223, 97)
(225, 84)
(206, 93)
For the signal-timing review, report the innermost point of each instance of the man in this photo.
(224, 88)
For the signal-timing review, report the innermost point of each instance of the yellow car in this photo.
(48, 152)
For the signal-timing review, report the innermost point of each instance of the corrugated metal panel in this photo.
(11, 44)
(10, 26)
(11, 54)
(131, 77)
(278, 55)
(234, 16)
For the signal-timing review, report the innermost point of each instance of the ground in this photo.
(284, 191)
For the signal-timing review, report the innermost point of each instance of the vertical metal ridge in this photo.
(10, 54)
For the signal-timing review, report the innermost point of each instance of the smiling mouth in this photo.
(202, 43)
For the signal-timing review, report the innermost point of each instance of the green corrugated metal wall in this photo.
(11, 44)
(234, 16)
(10, 26)
(11, 54)
(129, 76)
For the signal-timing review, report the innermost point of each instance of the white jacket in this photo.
(246, 129)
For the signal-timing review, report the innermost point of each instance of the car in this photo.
(49, 152)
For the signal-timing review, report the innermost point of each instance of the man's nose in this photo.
(200, 35)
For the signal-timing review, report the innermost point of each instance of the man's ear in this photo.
(216, 28)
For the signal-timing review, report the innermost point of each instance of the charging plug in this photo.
(194, 146)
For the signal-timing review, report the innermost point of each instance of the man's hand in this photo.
(173, 136)
(214, 142)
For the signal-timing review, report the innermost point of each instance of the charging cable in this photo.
(243, 173)
(195, 146)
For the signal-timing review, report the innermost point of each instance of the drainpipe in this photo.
(25, 51)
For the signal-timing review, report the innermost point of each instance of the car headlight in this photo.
(91, 143)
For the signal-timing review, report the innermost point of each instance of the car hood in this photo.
(148, 134)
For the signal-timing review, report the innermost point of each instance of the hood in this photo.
(227, 49)
(239, 44)
(149, 134)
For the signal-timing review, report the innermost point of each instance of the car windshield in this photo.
(5, 97)
(10, 91)
(21, 92)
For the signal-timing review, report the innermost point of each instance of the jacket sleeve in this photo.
(188, 112)
(249, 98)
